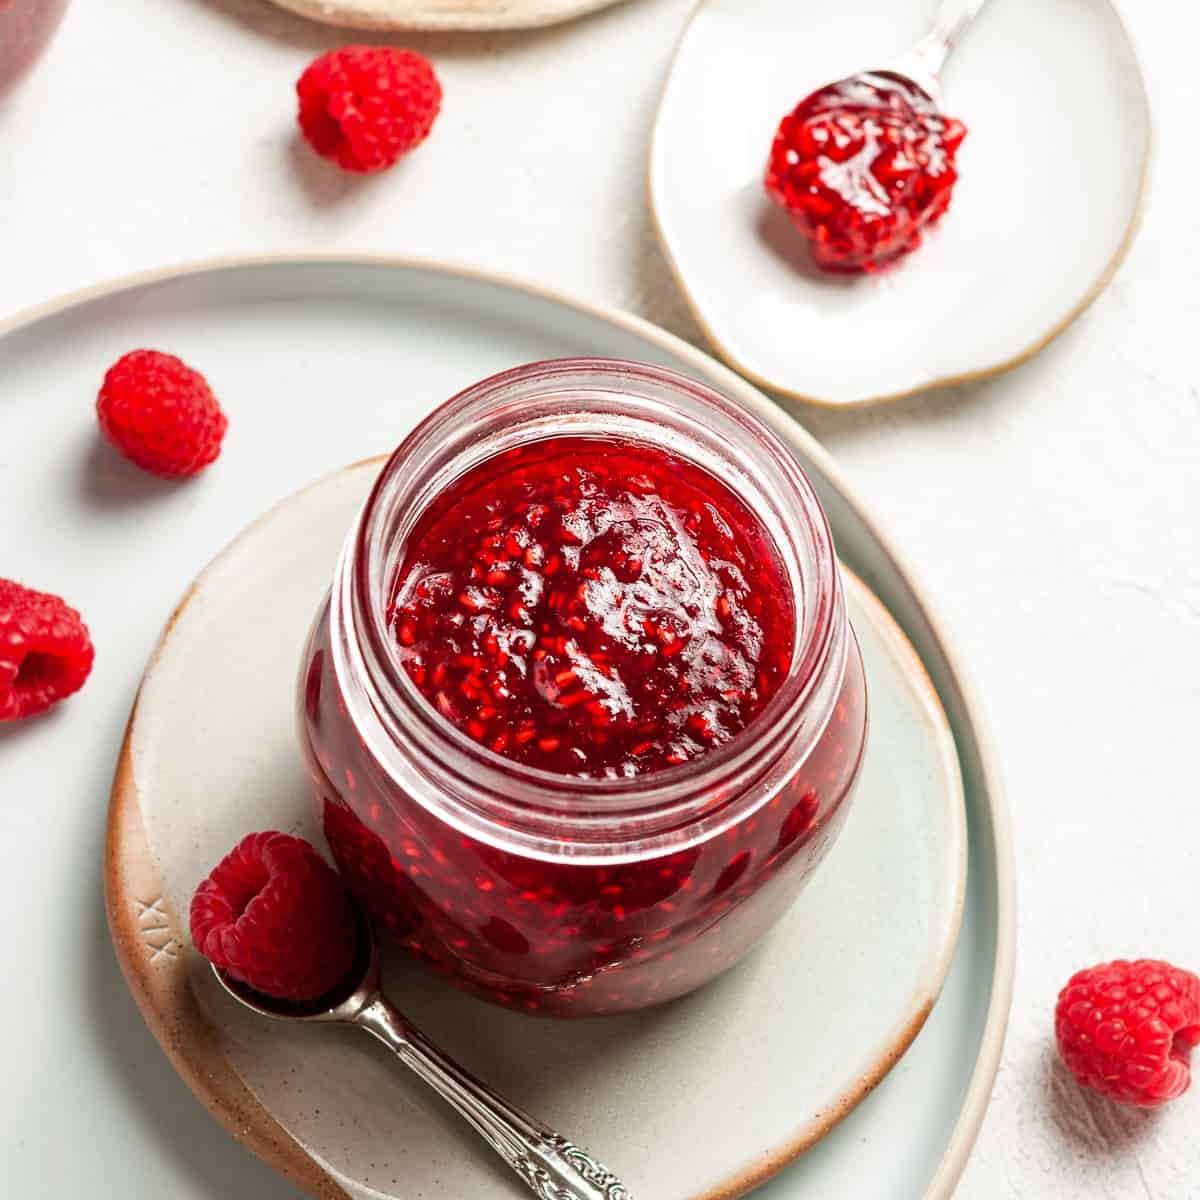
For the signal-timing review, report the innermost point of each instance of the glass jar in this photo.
(553, 893)
(25, 28)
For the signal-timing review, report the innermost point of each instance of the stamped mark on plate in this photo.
(155, 925)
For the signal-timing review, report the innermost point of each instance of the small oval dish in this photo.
(1052, 174)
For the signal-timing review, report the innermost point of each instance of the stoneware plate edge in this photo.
(148, 946)
(417, 15)
(997, 822)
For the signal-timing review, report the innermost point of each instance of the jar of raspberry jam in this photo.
(583, 709)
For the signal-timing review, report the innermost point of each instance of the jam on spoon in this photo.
(864, 165)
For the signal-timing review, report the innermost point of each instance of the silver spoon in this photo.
(552, 1167)
(923, 64)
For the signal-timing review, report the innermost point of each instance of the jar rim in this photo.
(665, 795)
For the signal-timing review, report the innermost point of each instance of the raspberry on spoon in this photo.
(275, 916)
(45, 651)
(1126, 1030)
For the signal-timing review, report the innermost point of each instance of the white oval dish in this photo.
(316, 360)
(1052, 176)
(434, 15)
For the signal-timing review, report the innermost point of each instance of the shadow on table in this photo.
(202, 1150)
(325, 184)
(1087, 1121)
(106, 480)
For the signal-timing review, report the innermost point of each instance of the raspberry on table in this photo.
(46, 652)
(160, 414)
(1126, 1029)
(365, 106)
(275, 916)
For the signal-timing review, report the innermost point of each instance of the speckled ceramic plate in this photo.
(805, 1028)
(321, 362)
(1052, 175)
(432, 15)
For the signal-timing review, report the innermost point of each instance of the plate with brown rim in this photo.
(325, 361)
(434, 15)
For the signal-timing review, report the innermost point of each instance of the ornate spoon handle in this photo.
(552, 1167)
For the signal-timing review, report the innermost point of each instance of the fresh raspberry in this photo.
(45, 651)
(275, 916)
(365, 106)
(160, 414)
(1126, 1029)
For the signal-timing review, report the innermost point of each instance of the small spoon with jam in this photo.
(863, 165)
(551, 1167)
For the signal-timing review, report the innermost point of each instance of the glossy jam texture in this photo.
(593, 608)
(862, 167)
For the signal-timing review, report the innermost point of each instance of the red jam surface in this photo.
(661, 607)
(593, 608)
(861, 167)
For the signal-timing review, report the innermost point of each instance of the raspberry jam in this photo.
(583, 709)
(593, 607)
(862, 167)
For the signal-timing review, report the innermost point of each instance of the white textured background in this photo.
(1053, 514)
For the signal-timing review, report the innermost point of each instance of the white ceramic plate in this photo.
(319, 362)
(800, 1032)
(432, 15)
(1052, 176)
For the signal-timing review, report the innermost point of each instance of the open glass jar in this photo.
(550, 892)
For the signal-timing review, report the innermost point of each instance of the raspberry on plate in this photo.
(46, 652)
(160, 414)
(275, 916)
(365, 106)
(1126, 1029)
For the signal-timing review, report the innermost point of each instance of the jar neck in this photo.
(509, 804)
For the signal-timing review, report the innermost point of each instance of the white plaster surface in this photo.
(1053, 514)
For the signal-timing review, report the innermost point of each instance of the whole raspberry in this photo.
(45, 651)
(275, 916)
(160, 414)
(1126, 1029)
(365, 106)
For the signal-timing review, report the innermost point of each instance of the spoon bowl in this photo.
(344, 1004)
(865, 165)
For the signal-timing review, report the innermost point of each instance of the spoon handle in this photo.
(551, 1167)
(949, 24)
